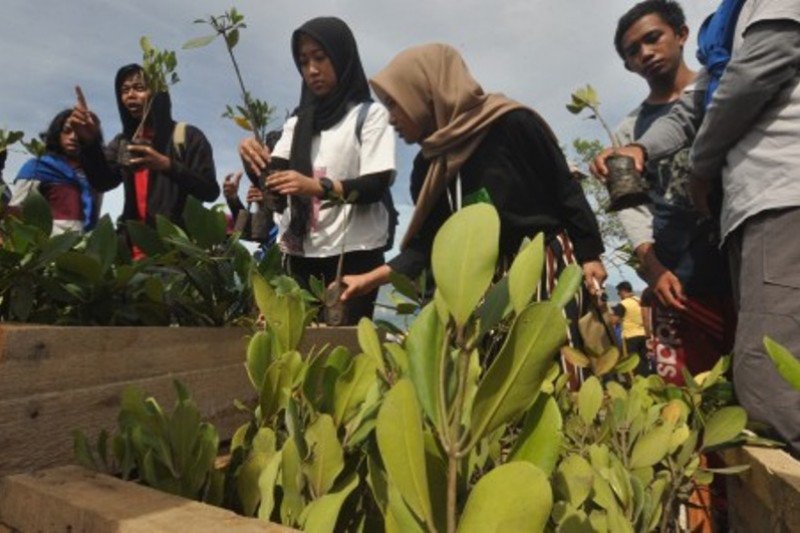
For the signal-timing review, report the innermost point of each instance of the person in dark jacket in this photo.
(168, 161)
(484, 147)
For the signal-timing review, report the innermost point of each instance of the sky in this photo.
(535, 51)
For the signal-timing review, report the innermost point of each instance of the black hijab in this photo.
(160, 117)
(316, 114)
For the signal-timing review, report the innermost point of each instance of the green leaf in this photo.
(399, 518)
(398, 356)
(515, 377)
(292, 484)
(424, 346)
(723, 426)
(512, 497)
(573, 480)
(320, 516)
(285, 313)
(247, 481)
(266, 487)
(403, 285)
(352, 387)
(540, 440)
(198, 42)
(370, 343)
(402, 448)
(728, 470)
(569, 282)
(627, 365)
(36, 212)
(205, 226)
(102, 243)
(145, 238)
(81, 265)
(590, 398)
(327, 456)
(526, 273)
(651, 447)
(788, 367)
(495, 307)
(464, 257)
(259, 357)
(232, 39)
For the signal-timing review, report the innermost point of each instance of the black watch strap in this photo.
(327, 188)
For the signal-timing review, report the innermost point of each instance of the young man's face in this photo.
(134, 94)
(653, 49)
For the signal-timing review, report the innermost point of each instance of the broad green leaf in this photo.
(146, 238)
(327, 456)
(403, 285)
(205, 226)
(424, 347)
(464, 257)
(284, 313)
(512, 497)
(575, 356)
(320, 516)
(259, 357)
(401, 444)
(292, 484)
(36, 212)
(370, 343)
(526, 273)
(495, 307)
(788, 366)
(723, 426)
(590, 398)
(247, 481)
(573, 480)
(540, 441)
(352, 387)
(569, 282)
(514, 378)
(399, 518)
(651, 447)
(627, 365)
(398, 356)
(81, 265)
(605, 363)
(102, 243)
(267, 482)
(198, 42)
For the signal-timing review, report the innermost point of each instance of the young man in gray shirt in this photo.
(693, 317)
(748, 138)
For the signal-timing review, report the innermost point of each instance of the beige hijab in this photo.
(432, 84)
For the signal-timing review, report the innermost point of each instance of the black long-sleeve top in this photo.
(192, 173)
(529, 183)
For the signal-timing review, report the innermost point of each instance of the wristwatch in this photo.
(327, 188)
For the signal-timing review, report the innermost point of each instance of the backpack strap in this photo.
(363, 111)
(179, 139)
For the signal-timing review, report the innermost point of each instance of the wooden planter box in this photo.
(766, 497)
(54, 380)
(70, 498)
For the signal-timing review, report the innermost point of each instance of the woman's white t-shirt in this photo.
(337, 155)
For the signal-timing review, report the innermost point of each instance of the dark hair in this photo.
(669, 11)
(52, 137)
(624, 286)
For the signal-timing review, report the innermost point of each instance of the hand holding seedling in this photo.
(255, 156)
(82, 120)
(599, 169)
(230, 187)
(146, 156)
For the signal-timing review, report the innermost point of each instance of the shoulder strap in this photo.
(363, 110)
(179, 139)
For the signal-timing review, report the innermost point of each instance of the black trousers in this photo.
(324, 268)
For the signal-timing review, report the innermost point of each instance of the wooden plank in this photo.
(73, 499)
(768, 494)
(39, 359)
(36, 431)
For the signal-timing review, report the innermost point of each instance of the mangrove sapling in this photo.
(626, 187)
(335, 311)
(158, 72)
(253, 115)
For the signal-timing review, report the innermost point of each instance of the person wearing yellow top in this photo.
(629, 315)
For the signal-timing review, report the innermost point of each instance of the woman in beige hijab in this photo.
(479, 146)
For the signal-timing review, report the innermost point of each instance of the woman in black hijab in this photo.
(338, 145)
